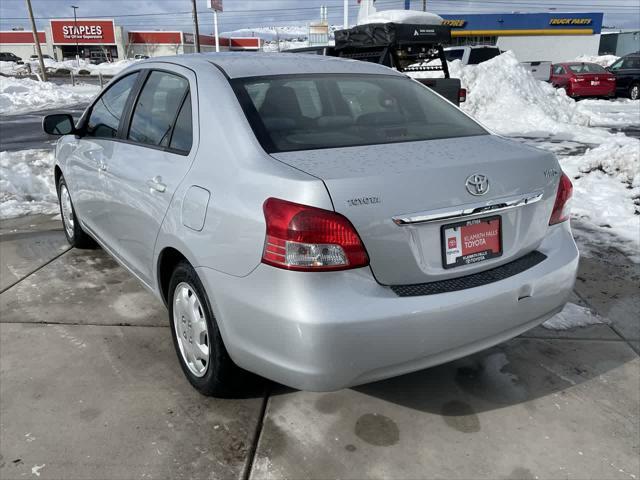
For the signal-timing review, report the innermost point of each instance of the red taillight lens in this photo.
(462, 95)
(308, 239)
(562, 207)
(576, 79)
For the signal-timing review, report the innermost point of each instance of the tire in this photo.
(192, 327)
(634, 91)
(76, 237)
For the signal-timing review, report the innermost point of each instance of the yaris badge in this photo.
(477, 184)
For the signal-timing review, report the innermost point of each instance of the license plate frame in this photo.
(447, 233)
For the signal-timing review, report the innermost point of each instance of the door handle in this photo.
(156, 184)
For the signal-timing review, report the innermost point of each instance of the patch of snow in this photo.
(20, 95)
(603, 60)
(35, 470)
(26, 183)
(573, 316)
(620, 112)
(606, 192)
(65, 66)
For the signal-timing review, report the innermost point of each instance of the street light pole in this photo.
(75, 33)
(424, 5)
(195, 25)
(36, 40)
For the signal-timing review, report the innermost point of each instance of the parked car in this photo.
(627, 73)
(10, 57)
(97, 57)
(540, 70)
(583, 79)
(318, 221)
(44, 56)
(471, 54)
(140, 57)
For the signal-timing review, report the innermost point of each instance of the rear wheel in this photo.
(72, 229)
(634, 91)
(196, 337)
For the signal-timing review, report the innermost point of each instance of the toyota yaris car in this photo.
(320, 222)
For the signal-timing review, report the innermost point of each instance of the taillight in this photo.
(562, 207)
(309, 239)
(462, 95)
(611, 79)
(576, 79)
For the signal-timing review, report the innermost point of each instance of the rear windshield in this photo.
(306, 112)
(580, 68)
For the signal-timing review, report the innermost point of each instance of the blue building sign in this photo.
(520, 24)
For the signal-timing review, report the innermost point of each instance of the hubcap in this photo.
(191, 329)
(67, 211)
(635, 92)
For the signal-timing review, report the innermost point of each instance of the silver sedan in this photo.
(317, 221)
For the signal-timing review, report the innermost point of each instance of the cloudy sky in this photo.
(175, 14)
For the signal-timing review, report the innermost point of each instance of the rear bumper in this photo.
(325, 331)
(600, 91)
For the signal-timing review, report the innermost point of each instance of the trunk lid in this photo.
(372, 184)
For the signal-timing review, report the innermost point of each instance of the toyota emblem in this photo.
(477, 184)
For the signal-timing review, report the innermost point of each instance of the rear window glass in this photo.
(306, 112)
(452, 55)
(580, 68)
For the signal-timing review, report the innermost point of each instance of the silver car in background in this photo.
(317, 221)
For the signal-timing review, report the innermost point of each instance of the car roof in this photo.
(257, 64)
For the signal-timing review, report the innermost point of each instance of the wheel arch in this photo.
(168, 259)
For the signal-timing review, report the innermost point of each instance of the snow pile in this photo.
(300, 32)
(573, 316)
(65, 66)
(26, 183)
(606, 192)
(603, 60)
(504, 96)
(18, 95)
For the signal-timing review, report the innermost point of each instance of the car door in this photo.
(155, 154)
(87, 166)
(621, 71)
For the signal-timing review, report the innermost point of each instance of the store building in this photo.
(620, 43)
(100, 40)
(20, 43)
(531, 36)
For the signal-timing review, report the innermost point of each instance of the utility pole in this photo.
(195, 26)
(37, 41)
(424, 5)
(346, 14)
(75, 33)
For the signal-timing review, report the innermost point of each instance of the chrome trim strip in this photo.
(491, 206)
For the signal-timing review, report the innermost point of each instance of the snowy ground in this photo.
(21, 95)
(66, 66)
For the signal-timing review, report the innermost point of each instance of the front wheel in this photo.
(196, 337)
(634, 91)
(72, 229)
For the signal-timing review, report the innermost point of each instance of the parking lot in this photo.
(90, 387)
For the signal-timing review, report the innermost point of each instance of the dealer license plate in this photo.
(471, 241)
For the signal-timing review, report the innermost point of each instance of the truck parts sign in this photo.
(83, 32)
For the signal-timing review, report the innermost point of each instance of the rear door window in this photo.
(452, 55)
(479, 55)
(156, 109)
(106, 113)
(182, 137)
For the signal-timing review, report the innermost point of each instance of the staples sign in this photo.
(83, 32)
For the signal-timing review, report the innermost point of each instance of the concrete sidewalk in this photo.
(90, 387)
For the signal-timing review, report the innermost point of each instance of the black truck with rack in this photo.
(404, 47)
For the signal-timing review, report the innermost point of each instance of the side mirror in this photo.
(58, 124)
